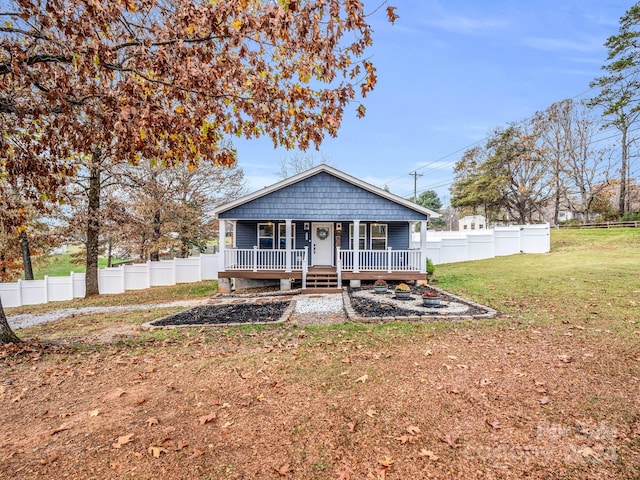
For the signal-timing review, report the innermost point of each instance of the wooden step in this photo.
(322, 280)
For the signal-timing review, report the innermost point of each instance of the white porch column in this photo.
(423, 246)
(222, 243)
(356, 246)
(287, 243)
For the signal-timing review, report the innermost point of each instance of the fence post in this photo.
(255, 258)
(148, 273)
(389, 260)
(46, 289)
(19, 292)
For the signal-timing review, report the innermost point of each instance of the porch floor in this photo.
(346, 274)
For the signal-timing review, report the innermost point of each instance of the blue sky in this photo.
(448, 72)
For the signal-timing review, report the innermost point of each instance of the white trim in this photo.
(386, 235)
(273, 235)
(292, 236)
(351, 238)
(329, 238)
(331, 171)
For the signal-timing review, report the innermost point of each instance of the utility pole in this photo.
(415, 176)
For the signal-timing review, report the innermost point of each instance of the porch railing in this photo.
(261, 259)
(382, 260)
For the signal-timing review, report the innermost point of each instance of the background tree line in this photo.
(530, 171)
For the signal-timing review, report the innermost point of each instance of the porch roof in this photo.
(323, 193)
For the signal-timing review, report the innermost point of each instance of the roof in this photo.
(316, 171)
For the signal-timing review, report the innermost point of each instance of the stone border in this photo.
(286, 315)
(275, 293)
(354, 317)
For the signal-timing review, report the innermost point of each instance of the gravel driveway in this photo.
(26, 320)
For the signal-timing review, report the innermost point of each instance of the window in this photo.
(363, 236)
(265, 235)
(378, 236)
(282, 236)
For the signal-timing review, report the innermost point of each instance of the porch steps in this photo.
(322, 282)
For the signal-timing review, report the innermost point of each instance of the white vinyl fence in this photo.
(111, 280)
(466, 245)
(442, 247)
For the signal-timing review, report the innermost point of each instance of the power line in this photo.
(467, 147)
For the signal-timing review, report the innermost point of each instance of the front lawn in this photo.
(549, 390)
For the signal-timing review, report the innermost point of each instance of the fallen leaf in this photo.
(59, 429)
(150, 368)
(140, 400)
(346, 359)
(451, 440)
(494, 424)
(344, 473)
(484, 382)
(429, 454)
(371, 412)
(181, 445)
(123, 440)
(94, 413)
(544, 400)
(284, 469)
(386, 462)
(352, 426)
(156, 451)
(588, 452)
(363, 378)
(403, 439)
(52, 458)
(413, 430)
(462, 366)
(427, 352)
(565, 358)
(151, 421)
(452, 357)
(196, 453)
(207, 418)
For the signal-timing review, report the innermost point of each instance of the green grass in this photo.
(588, 274)
(62, 265)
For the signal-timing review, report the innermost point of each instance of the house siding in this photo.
(247, 234)
(322, 197)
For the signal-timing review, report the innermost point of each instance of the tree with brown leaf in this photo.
(174, 79)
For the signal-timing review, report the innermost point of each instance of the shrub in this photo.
(380, 283)
(403, 287)
(430, 267)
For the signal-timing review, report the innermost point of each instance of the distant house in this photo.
(472, 222)
(320, 228)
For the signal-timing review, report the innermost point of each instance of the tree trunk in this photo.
(154, 256)
(6, 334)
(623, 173)
(93, 225)
(26, 255)
(556, 206)
(109, 252)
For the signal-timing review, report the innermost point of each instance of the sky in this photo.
(449, 72)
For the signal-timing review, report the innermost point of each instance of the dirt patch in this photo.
(394, 401)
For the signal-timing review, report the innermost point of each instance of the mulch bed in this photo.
(368, 308)
(226, 314)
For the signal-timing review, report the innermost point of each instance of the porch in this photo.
(352, 265)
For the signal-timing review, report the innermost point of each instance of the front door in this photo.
(322, 244)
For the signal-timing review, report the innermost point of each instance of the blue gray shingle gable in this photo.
(322, 197)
